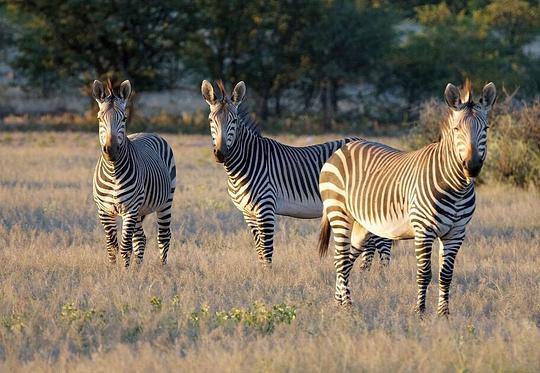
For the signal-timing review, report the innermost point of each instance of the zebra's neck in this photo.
(119, 165)
(242, 149)
(449, 165)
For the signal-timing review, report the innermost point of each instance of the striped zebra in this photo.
(135, 176)
(267, 178)
(369, 188)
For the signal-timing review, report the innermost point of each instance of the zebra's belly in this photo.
(302, 210)
(395, 228)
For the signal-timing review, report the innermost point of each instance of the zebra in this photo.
(267, 178)
(134, 176)
(369, 189)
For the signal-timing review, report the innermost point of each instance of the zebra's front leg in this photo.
(139, 241)
(251, 221)
(423, 246)
(367, 253)
(266, 222)
(384, 247)
(447, 255)
(109, 224)
(164, 232)
(129, 221)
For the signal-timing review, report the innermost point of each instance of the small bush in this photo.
(513, 139)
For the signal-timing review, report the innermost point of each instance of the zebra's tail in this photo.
(324, 235)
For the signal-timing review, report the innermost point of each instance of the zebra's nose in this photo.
(218, 155)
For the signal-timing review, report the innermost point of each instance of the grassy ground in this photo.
(212, 308)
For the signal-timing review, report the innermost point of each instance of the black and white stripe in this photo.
(372, 189)
(135, 176)
(267, 178)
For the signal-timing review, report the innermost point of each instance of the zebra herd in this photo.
(367, 193)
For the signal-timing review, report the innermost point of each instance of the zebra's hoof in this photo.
(365, 267)
(420, 310)
(443, 312)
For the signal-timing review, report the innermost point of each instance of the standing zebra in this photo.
(267, 178)
(369, 188)
(135, 176)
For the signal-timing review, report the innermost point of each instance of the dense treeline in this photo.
(295, 55)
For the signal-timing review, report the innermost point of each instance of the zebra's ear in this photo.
(452, 96)
(208, 92)
(238, 94)
(98, 91)
(125, 90)
(489, 95)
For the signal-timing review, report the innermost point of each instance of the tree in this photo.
(349, 44)
(485, 43)
(76, 41)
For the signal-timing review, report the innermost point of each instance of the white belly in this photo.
(397, 228)
(309, 210)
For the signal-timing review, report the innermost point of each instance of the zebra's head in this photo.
(223, 116)
(468, 124)
(112, 117)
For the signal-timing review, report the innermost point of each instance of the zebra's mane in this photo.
(247, 120)
(107, 105)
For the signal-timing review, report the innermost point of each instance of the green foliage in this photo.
(484, 43)
(79, 40)
(14, 322)
(71, 313)
(295, 56)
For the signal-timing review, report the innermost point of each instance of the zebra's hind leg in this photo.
(164, 231)
(362, 246)
(139, 241)
(423, 246)
(345, 230)
(109, 224)
(448, 250)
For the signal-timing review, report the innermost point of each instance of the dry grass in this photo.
(62, 307)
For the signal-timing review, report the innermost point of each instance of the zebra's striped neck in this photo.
(449, 165)
(242, 148)
(120, 163)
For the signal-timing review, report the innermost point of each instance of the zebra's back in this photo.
(294, 173)
(149, 143)
(159, 166)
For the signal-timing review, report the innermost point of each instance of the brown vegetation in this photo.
(212, 308)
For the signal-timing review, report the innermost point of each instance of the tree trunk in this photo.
(326, 103)
(334, 95)
(278, 104)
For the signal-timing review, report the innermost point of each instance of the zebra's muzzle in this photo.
(472, 168)
(110, 152)
(219, 156)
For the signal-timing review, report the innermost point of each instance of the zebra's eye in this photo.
(124, 119)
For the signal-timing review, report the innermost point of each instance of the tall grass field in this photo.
(214, 309)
